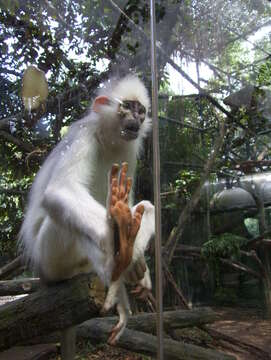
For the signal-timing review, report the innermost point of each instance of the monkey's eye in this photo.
(126, 104)
(141, 110)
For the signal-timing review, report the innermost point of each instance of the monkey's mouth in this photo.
(129, 133)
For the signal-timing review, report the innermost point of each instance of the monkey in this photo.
(68, 226)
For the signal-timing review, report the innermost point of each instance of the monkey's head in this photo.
(124, 109)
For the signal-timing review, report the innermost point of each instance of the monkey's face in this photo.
(132, 115)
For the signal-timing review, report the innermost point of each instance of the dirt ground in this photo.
(246, 325)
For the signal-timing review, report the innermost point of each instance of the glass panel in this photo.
(55, 58)
(214, 110)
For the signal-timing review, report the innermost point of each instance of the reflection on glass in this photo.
(214, 104)
(214, 75)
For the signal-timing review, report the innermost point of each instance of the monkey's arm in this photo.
(74, 208)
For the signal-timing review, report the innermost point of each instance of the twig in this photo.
(172, 281)
(241, 267)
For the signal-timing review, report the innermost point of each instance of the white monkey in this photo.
(67, 227)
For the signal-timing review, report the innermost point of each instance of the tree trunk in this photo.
(19, 287)
(55, 308)
(143, 343)
(177, 319)
(145, 322)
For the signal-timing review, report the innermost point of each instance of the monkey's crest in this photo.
(131, 88)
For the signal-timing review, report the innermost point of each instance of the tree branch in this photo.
(25, 146)
(65, 304)
(7, 269)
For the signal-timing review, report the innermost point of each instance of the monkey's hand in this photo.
(135, 273)
(145, 294)
(128, 224)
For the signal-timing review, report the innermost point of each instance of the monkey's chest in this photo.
(100, 187)
(100, 179)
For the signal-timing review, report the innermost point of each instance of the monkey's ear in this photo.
(100, 100)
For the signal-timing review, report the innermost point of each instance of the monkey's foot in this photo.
(141, 293)
(135, 273)
(145, 294)
(116, 332)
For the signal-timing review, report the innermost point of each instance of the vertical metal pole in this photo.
(156, 183)
(68, 343)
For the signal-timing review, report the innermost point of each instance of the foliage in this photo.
(264, 74)
(223, 246)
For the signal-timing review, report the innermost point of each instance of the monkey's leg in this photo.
(128, 226)
(124, 311)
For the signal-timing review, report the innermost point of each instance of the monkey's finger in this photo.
(137, 290)
(128, 189)
(140, 292)
(122, 179)
(140, 209)
(113, 179)
(144, 294)
(114, 172)
(123, 173)
(114, 191)
(137, 221)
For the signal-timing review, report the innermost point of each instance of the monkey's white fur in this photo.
(66, 229)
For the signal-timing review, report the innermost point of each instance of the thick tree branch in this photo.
(7, 269)
(143, 343)
(121, 27)
(19, 287)
(66, 304)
